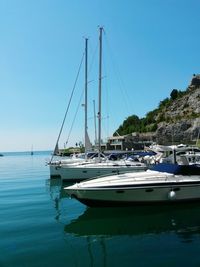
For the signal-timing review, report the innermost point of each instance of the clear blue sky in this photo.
(149, 48)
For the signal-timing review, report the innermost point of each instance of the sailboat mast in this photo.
(95, 127)
(86, 84)
(100, 77)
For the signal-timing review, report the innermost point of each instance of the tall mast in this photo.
(86, 83)
(95, 127)
(100, 77)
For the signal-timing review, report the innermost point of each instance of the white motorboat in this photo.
(165, 154)
(170, 183)
(184, 155)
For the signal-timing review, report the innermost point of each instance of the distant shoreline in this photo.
(37, 152)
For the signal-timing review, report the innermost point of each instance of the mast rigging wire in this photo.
(118, 75)
(78, 106)
(68, 107)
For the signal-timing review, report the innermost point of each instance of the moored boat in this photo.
(54, 165)
(171, 183)
(98, 166)
(88, 169)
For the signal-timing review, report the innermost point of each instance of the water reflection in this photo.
(56, 189)
(164, 233)
(61, 200)
(182, 220)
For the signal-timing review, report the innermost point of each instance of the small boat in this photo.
(32, 150)
(166, 183)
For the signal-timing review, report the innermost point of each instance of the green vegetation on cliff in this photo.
(169, 110)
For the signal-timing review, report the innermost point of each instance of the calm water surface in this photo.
(41, 226)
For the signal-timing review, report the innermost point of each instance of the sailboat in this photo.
(31, 150)
(55, 165)
(97, 166)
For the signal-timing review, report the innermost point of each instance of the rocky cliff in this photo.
(175, 120)
(181, 118)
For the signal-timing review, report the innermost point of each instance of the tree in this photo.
(174, 94)
(164, 103)
(131, 124)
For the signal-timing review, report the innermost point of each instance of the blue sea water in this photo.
(40, 226)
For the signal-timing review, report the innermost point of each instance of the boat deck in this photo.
(139, 179)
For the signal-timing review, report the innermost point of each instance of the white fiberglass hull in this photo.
(148, 187)
(78, 172)
(54, 170)
(54, 167)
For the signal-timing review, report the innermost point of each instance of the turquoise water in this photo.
(41, 226)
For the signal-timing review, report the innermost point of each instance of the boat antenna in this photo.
(73, 89)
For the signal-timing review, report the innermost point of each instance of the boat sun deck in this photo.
(136, 179)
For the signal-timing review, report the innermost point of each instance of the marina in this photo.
(41, 226)
(100, 134)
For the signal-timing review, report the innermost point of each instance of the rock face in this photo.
(183, 131)
(182, 117)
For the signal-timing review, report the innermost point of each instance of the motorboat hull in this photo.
(135, 196)
(150, 187)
